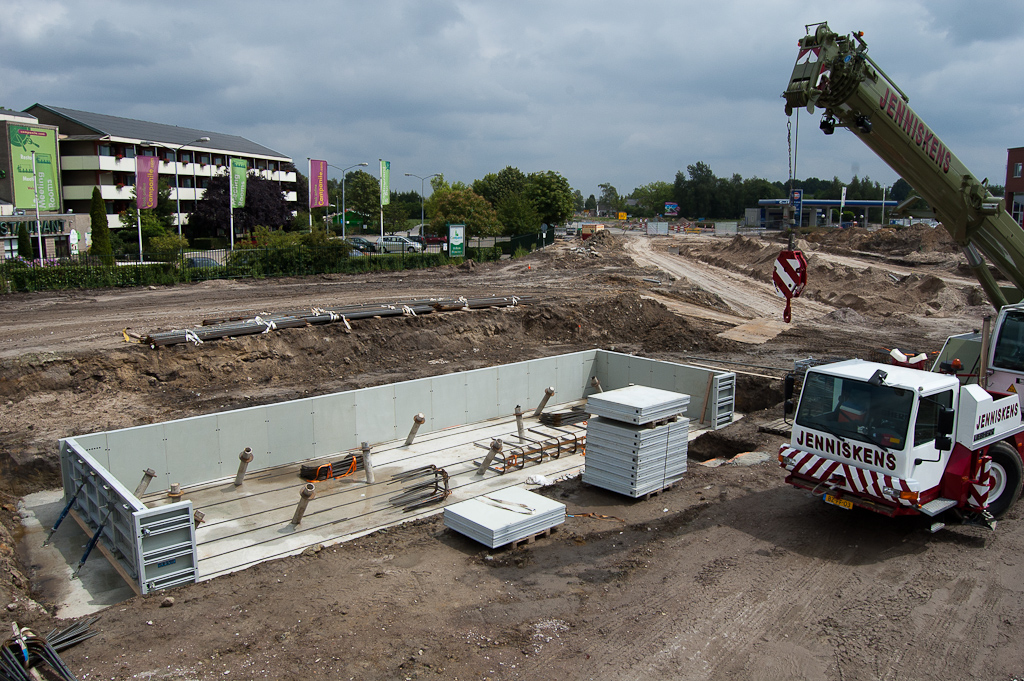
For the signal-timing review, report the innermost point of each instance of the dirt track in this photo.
(731, 574)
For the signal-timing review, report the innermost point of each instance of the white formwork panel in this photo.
(448, 400)
(290, 432)
(375, 414)
(243, 428)
(192, 445)
(513, 388)
(573, 376)
(413, 398)
(641, 371)
(334, 423)
(133, 450)
(481, 394)
(543, 374)
(96, 446)
(614, 370)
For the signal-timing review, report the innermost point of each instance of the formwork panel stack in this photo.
(637, 440)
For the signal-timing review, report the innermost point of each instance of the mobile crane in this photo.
(892, 439)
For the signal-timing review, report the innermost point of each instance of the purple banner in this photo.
(317, 184)
(147, 181)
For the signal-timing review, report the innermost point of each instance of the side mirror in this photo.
(943, 443)
(788, 385)
(944, 422)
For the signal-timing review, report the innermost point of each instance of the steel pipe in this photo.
(147, 477)
(367, 466)
(596, 384)
(307, 493)
(495, 449)
(417, 421)
(548, 392)
(243, 462)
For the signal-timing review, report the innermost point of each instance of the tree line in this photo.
(508, 202)
(699, 193)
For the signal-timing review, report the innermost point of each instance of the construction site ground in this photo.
(728, 574)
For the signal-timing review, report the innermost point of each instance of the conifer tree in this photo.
(100, 229)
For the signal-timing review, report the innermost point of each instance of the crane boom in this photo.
(835, 73)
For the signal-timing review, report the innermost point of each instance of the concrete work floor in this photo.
(250, 524)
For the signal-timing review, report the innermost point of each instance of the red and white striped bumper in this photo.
(833, 475)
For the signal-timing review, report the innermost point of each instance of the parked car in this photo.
(397, 244)
(361, 244)
(420, 240)
(201, 263)
(434, 239)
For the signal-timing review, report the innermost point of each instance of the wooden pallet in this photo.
(529, 540)
(654, 493)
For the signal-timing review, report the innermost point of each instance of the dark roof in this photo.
(16, 114)
(158, 132)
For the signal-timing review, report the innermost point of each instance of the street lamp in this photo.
(343, 215)
(177, 189)
(422, 180)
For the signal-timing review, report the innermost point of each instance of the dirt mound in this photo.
(60, 395)
(916, 238)
(869, 291)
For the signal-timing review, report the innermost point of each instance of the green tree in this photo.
(518, 215)
(264, 205)
(651, 198)
(590, 203)
(395, 217)
(610, 199)
(495, 187)
(100, 228)
(551, 196)
(696, 194)
(362, 194)
(579, 203)
(466, 207)
(24, 241)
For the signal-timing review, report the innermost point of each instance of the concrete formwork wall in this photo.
(615, 370)
(205, 448)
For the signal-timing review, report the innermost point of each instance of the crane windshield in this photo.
(848, 408)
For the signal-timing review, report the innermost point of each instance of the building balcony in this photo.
(109, 192)
(110, 163)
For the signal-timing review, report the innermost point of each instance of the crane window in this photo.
(926, 426)
(1009, 350)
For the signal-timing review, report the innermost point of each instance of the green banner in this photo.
(28, 141)
(239, 173)
(385, 182)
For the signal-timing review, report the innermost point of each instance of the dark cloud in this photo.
(598, 91)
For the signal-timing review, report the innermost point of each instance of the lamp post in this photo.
(35, 200)
(343, 215)
(422, 180)
(177, 189)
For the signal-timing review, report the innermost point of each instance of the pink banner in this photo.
(317, 184)
(147, 181)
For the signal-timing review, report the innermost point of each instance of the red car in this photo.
(432, 240)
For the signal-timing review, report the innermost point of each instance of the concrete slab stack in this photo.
(504, 516)
(637, 443)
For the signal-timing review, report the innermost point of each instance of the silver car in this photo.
(397, 244)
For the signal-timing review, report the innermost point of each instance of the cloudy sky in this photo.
(599, 91)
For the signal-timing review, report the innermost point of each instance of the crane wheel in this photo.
(1007, 475)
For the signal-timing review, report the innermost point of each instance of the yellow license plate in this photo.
(842, 503)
